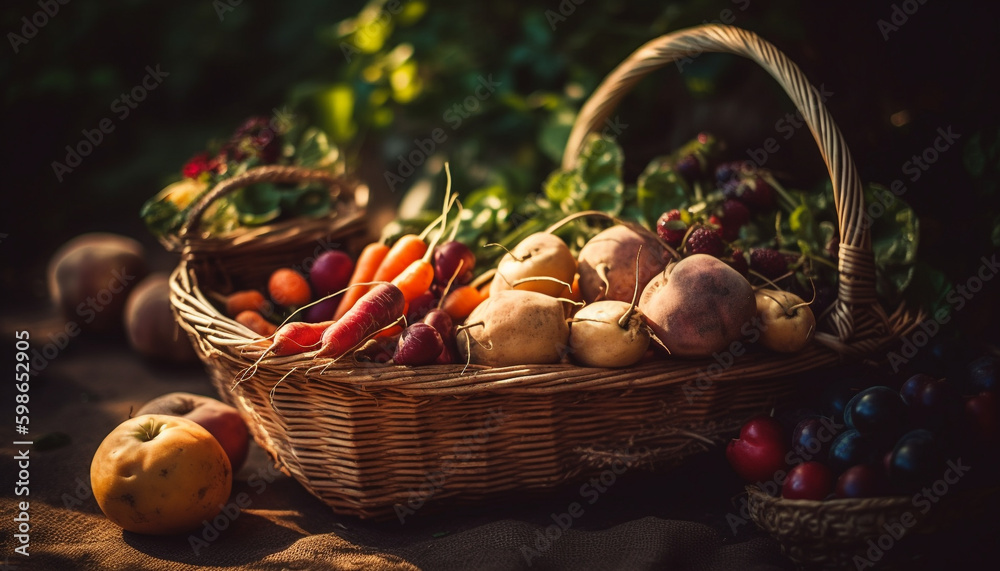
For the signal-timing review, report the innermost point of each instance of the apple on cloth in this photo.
(160, 475)
(218, 418)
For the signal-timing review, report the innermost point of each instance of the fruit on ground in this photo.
(90, 276)
(808, 481)
(160, 475)
(698, 306)
(787, 322)
(218, 418)
(150, 325)
(760, 451)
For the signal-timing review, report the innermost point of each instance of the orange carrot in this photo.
(245, 300)
(364, 271)
(255, 322)
(461, 301)
(404, 252)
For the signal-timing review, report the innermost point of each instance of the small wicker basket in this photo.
(374, 440)
(859, 533)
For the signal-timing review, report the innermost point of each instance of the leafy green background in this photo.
(402, 77)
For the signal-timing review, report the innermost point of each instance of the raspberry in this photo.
(705, 240)
(739, 262)
(671, 228)
(769, 263)
(734, 215)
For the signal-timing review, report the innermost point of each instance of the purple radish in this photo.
(330, 272)
(419, 344)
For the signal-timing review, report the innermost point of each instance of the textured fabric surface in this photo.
(644, 520)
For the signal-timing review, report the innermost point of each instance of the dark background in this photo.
(938, 68)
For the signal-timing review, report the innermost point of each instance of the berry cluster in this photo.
(877, 441)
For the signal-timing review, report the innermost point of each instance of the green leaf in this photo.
(561, 185)
(894, 238)
(661, 189)
(257, 204)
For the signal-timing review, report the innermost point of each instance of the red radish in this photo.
(420, 344)
(380, 307)
(297, 337)
(420, 306)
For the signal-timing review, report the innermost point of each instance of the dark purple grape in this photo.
(862, 481)
(876, 409)
(419, 344)
(448, 258)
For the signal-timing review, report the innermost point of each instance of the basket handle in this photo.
(856, 261)
(267, 173)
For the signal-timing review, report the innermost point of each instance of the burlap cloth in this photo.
(675, 520)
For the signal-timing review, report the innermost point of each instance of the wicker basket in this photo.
(858, 533)
(374, 440)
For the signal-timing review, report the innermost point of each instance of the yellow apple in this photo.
(160, 475)
(788, 323)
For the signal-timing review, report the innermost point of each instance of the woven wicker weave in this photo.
(833, 533)
(366, 439)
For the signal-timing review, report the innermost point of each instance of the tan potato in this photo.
(787, 321)
(514, 328)
(597, 340)
(539, 255)
(698, 306)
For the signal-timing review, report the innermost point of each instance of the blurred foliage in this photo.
(400, 87)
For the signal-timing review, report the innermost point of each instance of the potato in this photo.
(539, 255)
(698, 306)
(514, 327)
(596, 339)
(612, 253)
(150, 325)
(89, 278)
